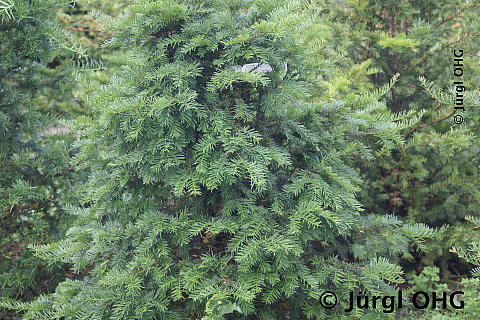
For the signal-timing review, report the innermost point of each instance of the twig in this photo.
(430, 123)
(457, 13)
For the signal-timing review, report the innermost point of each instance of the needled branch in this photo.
(457, 13)
(430, 123)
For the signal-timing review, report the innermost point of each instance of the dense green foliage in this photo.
(199, 184)
(214, 190)
(432, 176)
(36, 179)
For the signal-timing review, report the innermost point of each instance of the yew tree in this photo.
(220, 181)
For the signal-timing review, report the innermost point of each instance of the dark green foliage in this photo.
(432, 175)
(428, 281)
(216, 193)
(36, 180)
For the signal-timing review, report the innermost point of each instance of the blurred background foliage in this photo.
(43, 47)
(432, 176)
